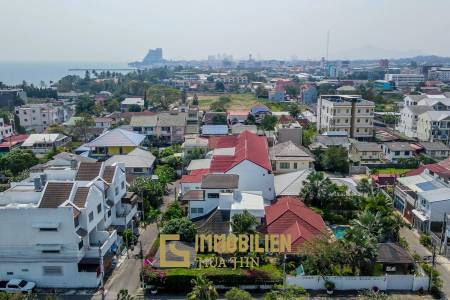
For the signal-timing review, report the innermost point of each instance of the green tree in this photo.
(238, 294)
(316, 189)
(195, 100)
(261, 92)
(250, 120)
(165, 173)
(83, 125)
(292, 91)
(174, 211)
(243, 223)
(361, 249)
(309, 132)
(294, 111)
(335, 159)
(219, 119)
(84, 105)
(203, 289)
(162, 96)
(112, 105)
(269, 122)
(151, 191)
(364, 186)
(134, 108)
(182, 226)
(323, 257)
(219, 86)
(17, 161)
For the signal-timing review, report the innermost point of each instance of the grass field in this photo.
(238, 101)
(398, 171)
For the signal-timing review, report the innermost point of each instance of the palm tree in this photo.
(370, 222)
(361, 249)
(310, 192)
(364, 186)
(243, 223)
(203, 289)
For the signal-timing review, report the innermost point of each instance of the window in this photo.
(109, 213)
(51, 251)
(406, 152)
(295, 165)
(48, 229)
(9, 273)
(213, 195)
(52, 270)
(285, 165)
(357, 120)
(196, 210)
(117, 190)
(99, 208)
(122, 185)
(91, 216)
(25, 270)
(76, 221)
(397, 153)
(80, 245)
(367, 110)
(138, 170)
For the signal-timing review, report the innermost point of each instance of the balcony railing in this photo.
(100, 241)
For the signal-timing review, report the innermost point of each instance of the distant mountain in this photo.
(372, 52)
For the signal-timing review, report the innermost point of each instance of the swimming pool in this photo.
(339, 231)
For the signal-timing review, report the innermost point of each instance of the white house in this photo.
(59, 226)
(125, 104)
(396, 150)
(408, 119)
(432, 208)
(434, 126)
(41, 143)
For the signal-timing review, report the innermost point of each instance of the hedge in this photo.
(179, 279)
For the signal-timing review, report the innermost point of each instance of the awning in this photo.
(420, 215)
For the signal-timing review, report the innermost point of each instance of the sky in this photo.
(124, 30)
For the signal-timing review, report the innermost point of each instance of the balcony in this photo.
(100, 242)
(406, 194)
(125, 214)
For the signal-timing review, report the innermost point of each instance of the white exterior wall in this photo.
(190, 186)
(391, 156)
(254, 178)
(408, 123)
(39, 116)
(383, 283)
(424, 128)
(301, 165)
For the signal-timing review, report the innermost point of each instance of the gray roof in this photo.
(416, 97)
(332, 140)
(238, 128)
(138, 158)
(367, 147)
(144, 121)
(434, 146)
(117, 137)
(290, 184)
(70, 156)
(288, 150)
(167, 119)
(419, 109)
(220, 181)
(399, 146)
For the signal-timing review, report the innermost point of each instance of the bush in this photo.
(238, 294)
(425, 240)
(174, 211)
(183, 226)
(436, 281)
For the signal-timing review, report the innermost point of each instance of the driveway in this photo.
(442, 263)
(126, 276)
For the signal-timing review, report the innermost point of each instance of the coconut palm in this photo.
(361, 249)
(316, 189)
(203, 289)
(364, 186)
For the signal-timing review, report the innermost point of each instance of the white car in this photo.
(17, 286)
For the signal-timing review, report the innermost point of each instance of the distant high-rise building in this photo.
(153, 56)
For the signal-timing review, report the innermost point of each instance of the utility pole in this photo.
(102, 271)
(433, 263)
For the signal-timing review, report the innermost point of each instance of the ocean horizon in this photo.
(14, 73)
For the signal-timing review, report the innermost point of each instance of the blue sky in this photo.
(113, 30)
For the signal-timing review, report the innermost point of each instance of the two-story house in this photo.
(366, 152)
(59, 226)
(397, 150)
(116, 141)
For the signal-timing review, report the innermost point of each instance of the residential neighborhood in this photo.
(224, 162)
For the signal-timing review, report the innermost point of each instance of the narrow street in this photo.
(126, 276)
(442, 263)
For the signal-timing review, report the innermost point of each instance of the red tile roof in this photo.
(249, 146)
(289, 215)
(195, 176)
(438, 168)
(221, 141)
(13, 140)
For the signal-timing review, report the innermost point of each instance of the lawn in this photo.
(238, 101)
(398, 171)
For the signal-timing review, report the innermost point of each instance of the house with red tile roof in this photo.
(289, 215)
(247, 155)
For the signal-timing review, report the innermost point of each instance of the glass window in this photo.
(99, 208)
(213, 195)
(285, 165)
(91, 216)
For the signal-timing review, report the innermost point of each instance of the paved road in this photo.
(442, 263)
(126, 276)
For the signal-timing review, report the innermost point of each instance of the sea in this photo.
(13, 73)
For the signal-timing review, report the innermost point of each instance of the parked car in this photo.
(17, 286)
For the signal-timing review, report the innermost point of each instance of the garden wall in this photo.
(388, 282)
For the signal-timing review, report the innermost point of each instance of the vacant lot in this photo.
(238, 101)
